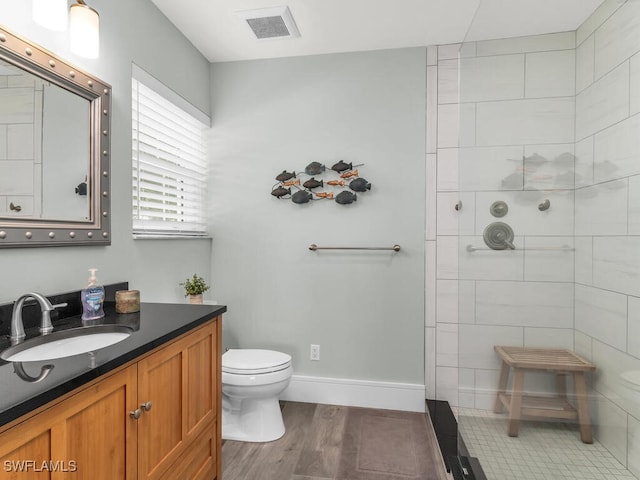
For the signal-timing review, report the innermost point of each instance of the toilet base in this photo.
(251, 419)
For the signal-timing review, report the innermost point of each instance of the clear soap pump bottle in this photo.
(92, 298)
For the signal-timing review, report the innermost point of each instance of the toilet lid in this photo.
(252, 361)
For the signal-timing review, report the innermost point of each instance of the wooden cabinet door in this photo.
(89, 435)
(180, 382)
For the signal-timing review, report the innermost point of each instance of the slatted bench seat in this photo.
(561, 362)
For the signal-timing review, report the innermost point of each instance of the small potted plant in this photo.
(194, 287)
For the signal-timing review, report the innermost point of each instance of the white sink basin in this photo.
(631, 379)
(66, 343)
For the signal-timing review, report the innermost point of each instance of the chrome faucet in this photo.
(17, 326)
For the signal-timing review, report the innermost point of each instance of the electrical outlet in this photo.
(314, 352)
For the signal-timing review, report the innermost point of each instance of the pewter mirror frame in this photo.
(32, 232)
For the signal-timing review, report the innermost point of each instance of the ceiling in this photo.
(331, 26)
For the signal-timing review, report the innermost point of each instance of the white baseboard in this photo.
(356, 393)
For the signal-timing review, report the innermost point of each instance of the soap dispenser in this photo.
(92, 298)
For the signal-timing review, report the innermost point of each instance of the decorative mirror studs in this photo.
(3, 234)
(52, 64)
(90, 234)
(29, 235)
(28, 51)
(72, 74)
(105, 234)
(72, 234)
(52, 234)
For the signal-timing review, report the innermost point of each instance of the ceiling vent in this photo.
(271, 22)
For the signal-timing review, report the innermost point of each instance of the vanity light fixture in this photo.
(84, 30)
(51, 14)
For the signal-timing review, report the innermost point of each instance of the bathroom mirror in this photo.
(54, 150)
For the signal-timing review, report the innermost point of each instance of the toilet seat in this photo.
(254, 361)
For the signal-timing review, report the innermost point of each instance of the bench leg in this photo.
(584, 419)
(502, 387)
(516, 402)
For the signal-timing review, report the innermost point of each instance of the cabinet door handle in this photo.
(146, 406)
(135, 414)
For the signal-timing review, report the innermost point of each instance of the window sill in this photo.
(144, 236)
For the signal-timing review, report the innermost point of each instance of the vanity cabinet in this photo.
(156, 418)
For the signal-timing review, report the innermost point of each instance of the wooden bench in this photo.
(561, 362)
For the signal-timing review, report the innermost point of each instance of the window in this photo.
(169, 162)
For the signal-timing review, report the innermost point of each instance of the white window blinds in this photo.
(169, 166)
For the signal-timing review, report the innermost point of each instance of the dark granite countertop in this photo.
(154, 325)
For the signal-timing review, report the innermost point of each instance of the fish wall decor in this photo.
(288, 185)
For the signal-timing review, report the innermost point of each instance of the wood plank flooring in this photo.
(329, 442)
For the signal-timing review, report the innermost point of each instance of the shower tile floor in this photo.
(542, 451)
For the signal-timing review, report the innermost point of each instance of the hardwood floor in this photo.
(329, 442)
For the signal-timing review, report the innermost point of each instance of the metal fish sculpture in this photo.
(284, 176)
(352, 173)
(290, 183)
(341, 166)
(346, 197)
(301, 196)
(324, 194)
(359, 185)
(336, 182)
(280, 192)
(314, 168)
(313, 183)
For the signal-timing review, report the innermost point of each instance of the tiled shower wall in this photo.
(20, 161)
(551, 117)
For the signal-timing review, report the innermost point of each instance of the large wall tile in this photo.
(456, 125)
(448, 170)
(486, 383)
(481, 168)
(610, 363)
(3, 142)
(633, 320)
(531, 304)
(448, 91)
(604, 103)
(16, 177)
(431, 212)
(430, 284)
(602, 315)
(447, 345)
(633, 448)
(550, 74)
(524, 216)
(602, 209)
(491, 78)
(634, 76)
(447, 261)
(582, 345)
(610, 423)
(634, 205)
(488, 264)
(476, 344)
(448, 52)
(543, 263)
(20, 142)
(585, 64)
(452, 221)
(533, 43)
(548, 337)
(466, 387)
(432, 55)
(431, 137)
(617, 39)
(549, 167)
(533, 121)
(616, 264)
(584, 162)
(583, 260)
(456, 301)
(16, 105)
(604, 11)
(616, 150)
(447, 385)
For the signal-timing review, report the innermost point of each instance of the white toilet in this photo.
(251, 383)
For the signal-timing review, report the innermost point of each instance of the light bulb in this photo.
(84, 31)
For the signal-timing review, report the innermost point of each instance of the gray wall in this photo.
(365, 309)
(130, 32)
